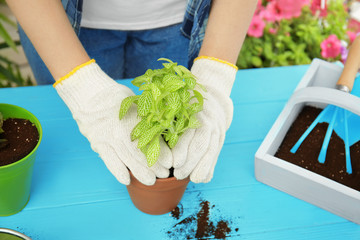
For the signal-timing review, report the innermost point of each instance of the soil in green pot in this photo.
(22, 136)
(307, 155)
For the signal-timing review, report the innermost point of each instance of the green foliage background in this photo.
(297, 41)
(10, 75)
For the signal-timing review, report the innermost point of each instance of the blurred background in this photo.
(282, 33)
(14, 68)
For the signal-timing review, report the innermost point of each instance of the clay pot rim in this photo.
(158, 183)
(171, 179)
(168, 179)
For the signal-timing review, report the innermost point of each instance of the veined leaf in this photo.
(158, 82)
(190, 82)
(145, 87)
(144, 150)
(194, 122)
(168, 78)
(149, 135)
(170, 115)
(179, 124)
(166, 124)
(202, 87)
(173, 101)
(186, 71)
(138, 81)
(162, 96)
(140, 128)
(125, 105)
(169, 65)
(184, 95)
(195, 108)
(151, 87)
(174, 138)
(174, 84)
(199, 97)
(185, 113)
(155, 91)
(178, 71)
(161, 105)
(153, 151)
(149, 73)
(149, 118)
(144, 103)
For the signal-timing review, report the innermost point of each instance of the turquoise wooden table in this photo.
(74, 196)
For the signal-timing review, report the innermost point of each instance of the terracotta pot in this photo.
(160, 198)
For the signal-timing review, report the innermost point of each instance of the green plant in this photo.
(167, 107)
(10, 75)
(3, 142)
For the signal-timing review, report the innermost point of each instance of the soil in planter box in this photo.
(22, 138)
(307, 155)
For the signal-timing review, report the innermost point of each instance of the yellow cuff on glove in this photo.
(216, 59)
(73, 71)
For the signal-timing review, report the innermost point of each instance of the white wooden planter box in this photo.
(314, 89)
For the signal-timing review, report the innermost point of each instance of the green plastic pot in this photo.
(15, 178)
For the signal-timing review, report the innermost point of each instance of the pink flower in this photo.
(305, 2)
(351, 36)
(354, 25)
(256, 28)
(330, 47)
(259, 7)
(273, 12)
(283, 9)
(272, 30)
(290, 8)
(316, 6)
(269, 15)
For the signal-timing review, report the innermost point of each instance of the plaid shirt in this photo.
(194, 25)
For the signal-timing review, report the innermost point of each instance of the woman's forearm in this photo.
(227, 27)
(47, 26)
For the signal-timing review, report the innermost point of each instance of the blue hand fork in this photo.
(331, 113)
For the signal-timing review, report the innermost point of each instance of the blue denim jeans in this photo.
(121, 54)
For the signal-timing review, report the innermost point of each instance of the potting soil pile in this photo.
(307, 155)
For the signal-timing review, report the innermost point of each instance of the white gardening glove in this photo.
(94, 99)
(197, 151)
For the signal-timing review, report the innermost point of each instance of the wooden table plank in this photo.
(75, 197)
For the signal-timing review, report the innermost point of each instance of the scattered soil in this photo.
(199, 226)
(22, 138)
(307, 155)
(177, 212)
